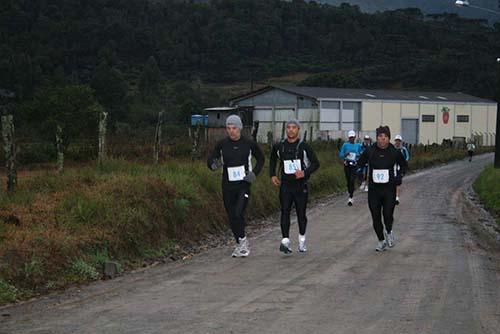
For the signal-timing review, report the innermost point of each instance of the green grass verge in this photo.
(487, 186)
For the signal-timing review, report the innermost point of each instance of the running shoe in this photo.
(390, 239)
(302, 244)
(244, 248)
(285, 246)
(381, 246)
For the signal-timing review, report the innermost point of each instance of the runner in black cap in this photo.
(381, 159)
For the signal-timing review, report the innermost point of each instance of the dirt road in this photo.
(436, 280)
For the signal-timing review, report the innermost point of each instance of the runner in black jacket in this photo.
(381, 158)
(234, 153)
(297, 163)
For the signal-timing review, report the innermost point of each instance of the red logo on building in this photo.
(446, 114)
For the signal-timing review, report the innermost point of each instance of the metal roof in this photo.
(369, 94)
(220, 109)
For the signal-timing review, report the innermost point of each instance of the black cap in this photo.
(384, 129)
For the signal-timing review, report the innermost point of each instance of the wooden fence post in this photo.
(60, 149)
(10, 151)
(103, 119)
(157, 145)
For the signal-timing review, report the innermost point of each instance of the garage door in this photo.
(409, 130)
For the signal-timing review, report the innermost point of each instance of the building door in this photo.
(409, 130)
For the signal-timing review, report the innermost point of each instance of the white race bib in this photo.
(291, 166)
(380, 175)
(351, 156)
(236, 173)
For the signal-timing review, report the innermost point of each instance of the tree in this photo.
(149, 81)
(72, 108)
(335, 80)
(110, 89)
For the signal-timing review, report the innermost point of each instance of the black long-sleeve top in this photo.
(379, 160)
(236, 154)
(293, 151)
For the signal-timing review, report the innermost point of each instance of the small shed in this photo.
(217, 120)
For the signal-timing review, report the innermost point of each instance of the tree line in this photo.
(134, 57)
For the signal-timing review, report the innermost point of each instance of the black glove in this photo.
(216, 164)
(250, 177)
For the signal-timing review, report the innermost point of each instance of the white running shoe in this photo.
(285, 246)
(362, 186)
(349, 202)
(236, 251)
(381, 246)
(244, 248)
(366, 188)
(241, 249)
(390, 239)
(302, 244)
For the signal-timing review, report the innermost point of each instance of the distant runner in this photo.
(350, 153)
(234, 153)
(398, 143)
(363, 170)
(471, 147)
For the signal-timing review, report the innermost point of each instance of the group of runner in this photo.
(379, 167)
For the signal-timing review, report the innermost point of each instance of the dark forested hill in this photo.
(132, 47)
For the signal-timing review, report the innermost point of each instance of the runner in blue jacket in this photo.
(349, 154)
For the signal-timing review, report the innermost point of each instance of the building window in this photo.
(330, 115)
(337, 115)
(462, 118)
(351, 116)
(218, 115)
(428, 118)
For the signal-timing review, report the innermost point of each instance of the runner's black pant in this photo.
(293, 194)
(382, 201)
(471, 153)
(350, 176)
(235, 202)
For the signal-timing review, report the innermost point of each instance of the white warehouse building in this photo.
(420, 117)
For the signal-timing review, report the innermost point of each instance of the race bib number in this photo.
(351, 156)
(380, 175)
(291, 166)
(236, 173)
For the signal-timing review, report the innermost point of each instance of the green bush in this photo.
(8, 293)
(82, 271)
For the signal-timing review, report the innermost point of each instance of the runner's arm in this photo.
(259, 156)
(342, 152)
(401, 161)
(363, 158)
(215, 155)
(313, 159)
(407, 154)
(273, 159)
